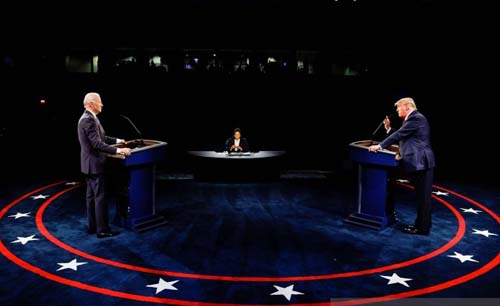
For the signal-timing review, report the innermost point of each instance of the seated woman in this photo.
(237, 143)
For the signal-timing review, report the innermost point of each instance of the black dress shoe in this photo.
(91, 231)
(415, 231)
(106, 234)
(391, 220)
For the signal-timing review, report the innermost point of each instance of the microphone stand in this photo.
(135, 128)
(376, 130)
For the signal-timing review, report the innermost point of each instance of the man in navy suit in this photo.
(416, 159)
(237, 143)
(94, 146)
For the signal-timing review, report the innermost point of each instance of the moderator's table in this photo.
(211, 165)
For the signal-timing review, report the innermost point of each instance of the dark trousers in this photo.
(117, 181)
(97, 208)
(392, 175)
(422, 181)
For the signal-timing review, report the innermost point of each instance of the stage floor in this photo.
(276, 242)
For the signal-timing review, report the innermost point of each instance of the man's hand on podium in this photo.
(374, 148)
(124, 151)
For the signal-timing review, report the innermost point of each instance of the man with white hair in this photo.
(94, 146)
(416, 158)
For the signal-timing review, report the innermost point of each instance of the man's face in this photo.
(97, 105)
(402, 110)
(237, 135)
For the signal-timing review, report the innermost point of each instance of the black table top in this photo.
(246, 155)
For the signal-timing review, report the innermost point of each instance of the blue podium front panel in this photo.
(141, 193)
(372, 184)
(141, 166)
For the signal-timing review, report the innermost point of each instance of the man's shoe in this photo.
(91, 231)
(391, 220)
(107, 234)
(415, 231)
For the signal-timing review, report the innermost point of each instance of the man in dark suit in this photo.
(237, 143)
(94, 146)
(416, 159)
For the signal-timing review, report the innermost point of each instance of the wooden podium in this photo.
(372, 183)
(140, 196)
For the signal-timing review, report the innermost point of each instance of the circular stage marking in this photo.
(459, 235)
(467, 277)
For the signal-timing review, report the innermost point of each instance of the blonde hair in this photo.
(406, 101)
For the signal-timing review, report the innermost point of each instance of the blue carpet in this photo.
(238, 243)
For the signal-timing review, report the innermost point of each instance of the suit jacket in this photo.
(414, 141)
(94, 144)
(243, 144)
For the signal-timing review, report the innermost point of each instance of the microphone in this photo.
(135, 128)
(378, 128)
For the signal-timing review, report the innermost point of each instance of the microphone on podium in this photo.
(135, 128)
(378, 128)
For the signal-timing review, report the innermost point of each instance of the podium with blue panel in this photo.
(139, 211)
(372, 183)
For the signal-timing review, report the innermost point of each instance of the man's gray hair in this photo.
(90, 97)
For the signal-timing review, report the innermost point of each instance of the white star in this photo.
(40, 196)
(163, 285)
(439, 193)
(73, 265)
(20, 215)
(485, 233)
(286, 292)
(402, 181)
(396, 279)
(470, 210)
(72, 183)
(25, 240)
(463, 258)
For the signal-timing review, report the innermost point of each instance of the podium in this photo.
(139, 212)
(372, 183)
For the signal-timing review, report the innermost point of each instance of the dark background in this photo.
(438, 53)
